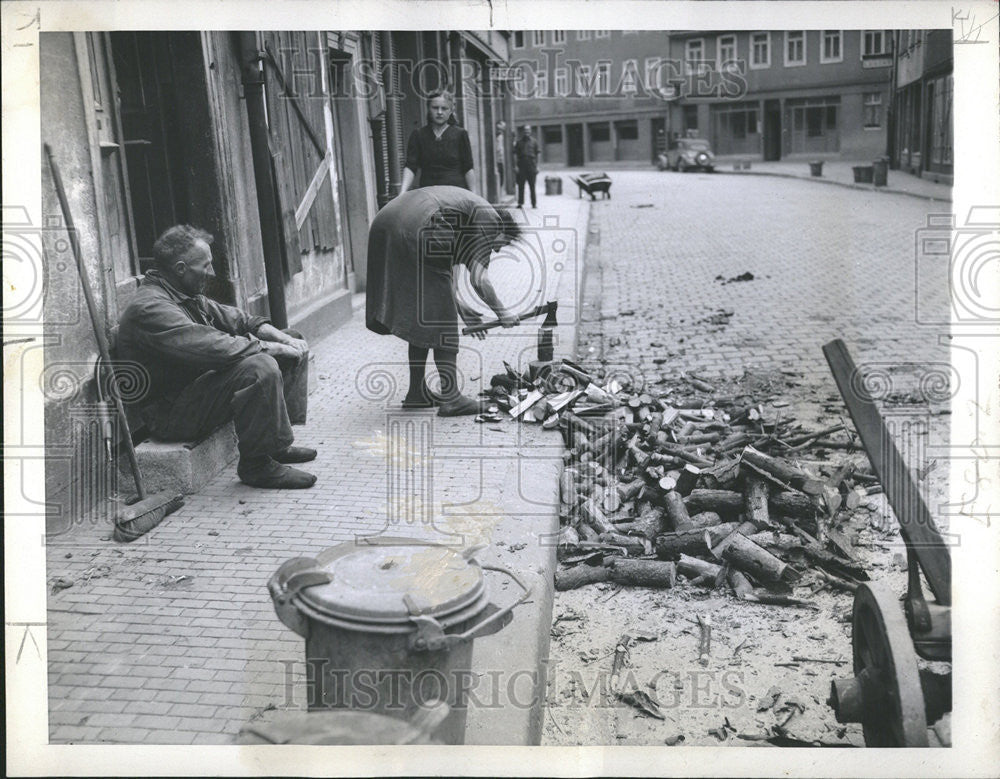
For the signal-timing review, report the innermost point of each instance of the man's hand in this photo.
(277, 349)
(471, 319)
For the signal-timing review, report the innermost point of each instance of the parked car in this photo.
(685, 154)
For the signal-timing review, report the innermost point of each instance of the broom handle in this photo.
(102, 341)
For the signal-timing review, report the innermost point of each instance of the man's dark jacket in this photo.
(177, 337)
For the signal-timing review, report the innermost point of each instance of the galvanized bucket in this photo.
(389, 625)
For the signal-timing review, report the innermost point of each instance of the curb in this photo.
(830, 182)
(520, 652)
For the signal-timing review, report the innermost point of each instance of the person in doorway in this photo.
(500, 151)
(208, 363)
(526, 165)
(416, 246)
(440, 151)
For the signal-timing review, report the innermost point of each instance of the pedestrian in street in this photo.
(208, 363)
(500, 150)
(416, 246)
(526, 165)
(440, 151)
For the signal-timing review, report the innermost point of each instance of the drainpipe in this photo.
(270, 225)
(392, 124)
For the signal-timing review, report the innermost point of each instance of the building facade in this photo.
(283, 145)
(603, 96)
(922, 140)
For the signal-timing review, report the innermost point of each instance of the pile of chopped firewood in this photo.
(715, 488)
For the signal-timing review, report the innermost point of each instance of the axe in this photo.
(549, 309)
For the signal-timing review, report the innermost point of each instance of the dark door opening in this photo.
(574, 145)
(658, 133)
(772, 130)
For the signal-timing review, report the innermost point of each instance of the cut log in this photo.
(631, 544)
(586, 532)
(721, 476)
(774, 540)
(568, 492)
(567, 535)
(703, 520)
(692, 542)
(719, 501)
(740, 584)
(763, 566)
(687, 479)
(593, 516)
(792, 504)
(676, 512)
(571, 578)
(631, 490)
(785, 473)
(650, 524)
(692, 567)
(643, 573)
(755, 492)
(742, 529)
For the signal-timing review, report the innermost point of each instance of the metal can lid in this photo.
(389, 581)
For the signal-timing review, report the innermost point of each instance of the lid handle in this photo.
(430, 636)
(291, 577)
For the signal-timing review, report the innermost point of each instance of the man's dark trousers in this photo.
(263, 396)
(526, 176)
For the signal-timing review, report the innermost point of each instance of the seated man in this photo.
(209, 363)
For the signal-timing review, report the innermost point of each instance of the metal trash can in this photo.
(553, 185)
(816, 168)
(343, 728)
(389, 625)
(863, 174)
(880, 172)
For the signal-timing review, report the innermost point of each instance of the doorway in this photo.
(772, 130)
(658, 136)
(574, 145)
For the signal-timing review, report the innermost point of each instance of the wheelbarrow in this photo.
(894, 699)
(592, 183)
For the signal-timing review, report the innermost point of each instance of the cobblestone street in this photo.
(665, 298)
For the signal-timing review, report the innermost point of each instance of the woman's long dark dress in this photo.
(413, 245)
(440, 161)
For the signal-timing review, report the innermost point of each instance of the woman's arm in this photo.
(407, 180)
(470, 181)
(479, 276)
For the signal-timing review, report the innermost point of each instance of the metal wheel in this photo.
(885, 664)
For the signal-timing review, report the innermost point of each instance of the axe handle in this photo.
(537, 311)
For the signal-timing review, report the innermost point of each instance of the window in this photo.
(653, 77)
(518, 41)
(538, 37)
(627, 130)
(694, 56)
(602, 33)
(727, 50)
(795, 48)
(559, 36)
(873, 43)
(562, 82)
(873, 109)
(552, 133)
(831, 51)
(583, 35)
(600, 133)
(603, 78)
(942, 141)
(584, 86)
(760, 50)
(541, 83)
(630, 77)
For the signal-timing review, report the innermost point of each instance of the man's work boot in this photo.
(294, 454)
(266, 473)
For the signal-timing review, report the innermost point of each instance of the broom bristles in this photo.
(143, 516)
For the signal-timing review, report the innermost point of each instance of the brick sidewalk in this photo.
(173, 639)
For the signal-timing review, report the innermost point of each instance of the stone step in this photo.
(181, 467)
